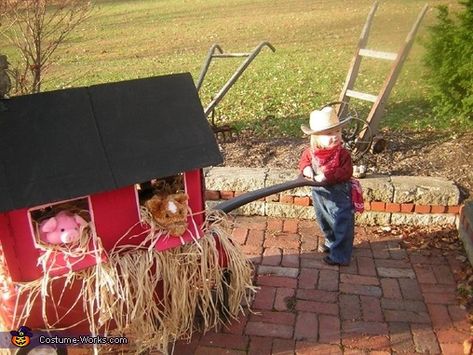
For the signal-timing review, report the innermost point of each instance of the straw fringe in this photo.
(153, 298)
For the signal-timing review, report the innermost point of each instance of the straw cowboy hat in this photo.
(324, 121)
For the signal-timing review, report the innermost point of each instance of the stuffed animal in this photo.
(170, 212)
(61, 229)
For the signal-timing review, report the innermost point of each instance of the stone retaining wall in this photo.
(388, 200)
(465, 228)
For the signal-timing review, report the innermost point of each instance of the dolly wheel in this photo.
(42, 350)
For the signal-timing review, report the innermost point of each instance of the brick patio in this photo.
(388, 300)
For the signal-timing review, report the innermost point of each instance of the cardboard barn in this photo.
(94, 147)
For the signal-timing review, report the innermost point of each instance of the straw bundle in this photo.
(154, 298)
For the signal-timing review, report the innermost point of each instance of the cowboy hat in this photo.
(324, 121)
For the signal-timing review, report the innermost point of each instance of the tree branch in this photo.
(37, 28)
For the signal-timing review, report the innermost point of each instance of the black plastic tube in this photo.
(251, 196)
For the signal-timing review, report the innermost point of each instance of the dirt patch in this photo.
(407, 153)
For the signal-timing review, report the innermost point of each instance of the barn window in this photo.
(161, 186)
(53, 223)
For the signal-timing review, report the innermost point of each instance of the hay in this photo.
(120, 297)
(241, 289)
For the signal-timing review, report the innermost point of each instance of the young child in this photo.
(327, 162)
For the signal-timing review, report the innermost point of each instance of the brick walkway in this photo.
(388, 300)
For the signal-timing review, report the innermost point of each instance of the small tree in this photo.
(449, 57)
(36, 28)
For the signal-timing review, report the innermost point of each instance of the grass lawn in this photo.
(314, 40)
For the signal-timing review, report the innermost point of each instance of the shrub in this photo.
(449, 57)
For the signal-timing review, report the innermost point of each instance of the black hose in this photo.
(251, 196)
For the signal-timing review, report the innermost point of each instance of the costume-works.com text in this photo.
(83, 340)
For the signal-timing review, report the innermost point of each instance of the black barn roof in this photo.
(69, 143)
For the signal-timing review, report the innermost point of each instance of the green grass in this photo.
(314, 41)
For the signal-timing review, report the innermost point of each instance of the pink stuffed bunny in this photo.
(61, 229)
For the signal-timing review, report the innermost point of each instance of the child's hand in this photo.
(308, 172)
(320, 177)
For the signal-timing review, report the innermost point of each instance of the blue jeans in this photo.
(335, 215)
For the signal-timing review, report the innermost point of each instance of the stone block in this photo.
(423, 190)
(302, 191)
(210, 204)
(422, 219)
(276, 176)
(235, 179)
(275, 209)
(373, 218)
(465, 229)
(377, 188)
(255, 208)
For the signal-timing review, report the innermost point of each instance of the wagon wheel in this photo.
(352, 132)
(351, 137)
